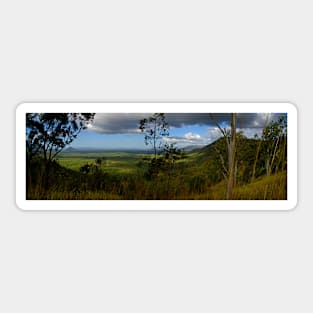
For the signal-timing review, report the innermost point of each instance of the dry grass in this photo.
(272, 187)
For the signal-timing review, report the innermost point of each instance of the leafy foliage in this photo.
(155, 128)
(48, 133)
(275, 145)
(170, 174)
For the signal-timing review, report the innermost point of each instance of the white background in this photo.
(155, 261)
(165, 205)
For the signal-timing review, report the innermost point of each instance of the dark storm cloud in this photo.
(114, 123)
(244, 120)
(117, 123)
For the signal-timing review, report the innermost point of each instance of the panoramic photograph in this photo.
(156, 156)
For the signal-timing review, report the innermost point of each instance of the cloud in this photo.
(251, 132)
(188, 139)
(244, 120)
(120, 123)
(192, 137)
(212, 135)
(117, 123)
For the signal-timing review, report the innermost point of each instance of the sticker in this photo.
(192, 156)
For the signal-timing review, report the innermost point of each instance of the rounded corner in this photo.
(293, 206)
(293, 106)
(19, 206)
(20, 105)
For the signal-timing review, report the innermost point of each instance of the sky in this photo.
(120, 131)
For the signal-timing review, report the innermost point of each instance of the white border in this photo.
(160, 205)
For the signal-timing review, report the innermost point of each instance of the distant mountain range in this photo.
(192, 147)
(146, 151)
(85, 150)
(71, 149)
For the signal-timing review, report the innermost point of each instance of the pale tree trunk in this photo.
(271, 157)
(232, 145)
(154, 141)
(274, 154)
(282, 158)
(231, 149)
(256, 160)
(259, 149)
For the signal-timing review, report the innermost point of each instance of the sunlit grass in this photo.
(272, 187)
(111, 162)
(120, 178)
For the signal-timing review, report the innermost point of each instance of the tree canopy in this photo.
(155, 129)
(47, 134)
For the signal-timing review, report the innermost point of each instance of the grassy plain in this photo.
(188, 182)
(125, 175)
(111, 162)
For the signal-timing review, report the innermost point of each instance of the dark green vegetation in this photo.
(120, 175)
(260, 169)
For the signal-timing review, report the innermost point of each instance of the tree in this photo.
(155, 129)
(231, 149)
(232, 146)
(48, 133)
(258, 150)
(257, 154)
(98, 162)
(171, 155)
(275, 143)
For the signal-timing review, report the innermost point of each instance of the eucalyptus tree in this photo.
(155, 128)
(231, 141)
(47, 134)
(275, 145)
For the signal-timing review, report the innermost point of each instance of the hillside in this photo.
(69, 150)
(198, 174)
